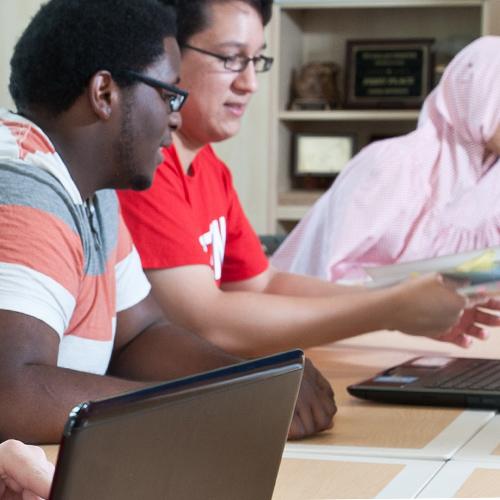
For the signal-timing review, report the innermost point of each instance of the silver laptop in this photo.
(217, 435)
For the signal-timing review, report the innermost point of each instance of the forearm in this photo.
(37, 399)
(250, 324)
(164, 351)
(305, 286)
(257, 316)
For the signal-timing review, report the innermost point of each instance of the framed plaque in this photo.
(318, 158)
(387, 73)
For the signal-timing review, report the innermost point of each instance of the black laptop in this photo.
(217, 435)
(437, 381)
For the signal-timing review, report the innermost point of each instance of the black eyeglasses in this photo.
(238, 63)
(175, 96)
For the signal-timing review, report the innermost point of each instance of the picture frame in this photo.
(319, 158)
(388, 74)
(380, 137)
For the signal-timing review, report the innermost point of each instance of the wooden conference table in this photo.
(391, 451)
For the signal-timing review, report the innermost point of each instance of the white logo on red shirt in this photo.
(216, 236)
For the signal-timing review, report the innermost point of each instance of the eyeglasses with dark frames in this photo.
(174, 96)
(237, 63)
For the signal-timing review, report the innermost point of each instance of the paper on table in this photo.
(480, 269)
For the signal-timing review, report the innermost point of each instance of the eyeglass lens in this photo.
(240, 63)
(175, 102)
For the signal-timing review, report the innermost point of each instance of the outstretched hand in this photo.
(432, 306)
(472, 323)
(25, 472)
(315, 405)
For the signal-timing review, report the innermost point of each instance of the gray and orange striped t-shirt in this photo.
(67, 262)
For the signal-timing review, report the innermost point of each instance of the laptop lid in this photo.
(437, 381)
(216, 435)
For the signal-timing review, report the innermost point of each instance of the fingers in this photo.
(315, 405)
(313, 376)
(484, 297)
(462, 340)
(302, 425)
(474, 320)
(476, 299)
(478, 332)
(493, 304)
(27, 495)
(472, 324)
(318, 378)
(25, 468)
(297, 429)
(486, 318)
(311, 418)
(458, 337)
(324, 385)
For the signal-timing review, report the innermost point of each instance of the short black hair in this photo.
(192, 15)
(68, 41)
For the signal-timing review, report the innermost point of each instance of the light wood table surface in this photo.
(305, 477)
(373, 429)
(390, 451)
(373, 446)
(484, 446)
(459, 479)
(51, 450)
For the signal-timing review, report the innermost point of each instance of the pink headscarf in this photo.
(435, 191)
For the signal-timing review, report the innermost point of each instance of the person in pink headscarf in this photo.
(432, 192)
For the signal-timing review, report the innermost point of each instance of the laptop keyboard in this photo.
(481, 375)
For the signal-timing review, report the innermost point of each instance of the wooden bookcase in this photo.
(305, 31)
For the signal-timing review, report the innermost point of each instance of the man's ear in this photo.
(104, 94)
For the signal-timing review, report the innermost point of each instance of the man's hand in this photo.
(473, 321)
(431, 306)
(315, 405)
(25, 472)
(428, 305)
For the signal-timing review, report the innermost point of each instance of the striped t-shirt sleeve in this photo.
(41, 259)
(132, 286)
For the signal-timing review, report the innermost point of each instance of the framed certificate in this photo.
(322, 155)
(318, 158)
(387, 73)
